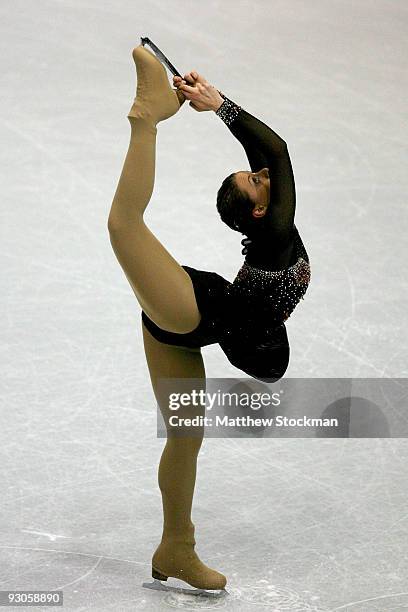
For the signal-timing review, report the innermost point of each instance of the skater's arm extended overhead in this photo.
(262, 145)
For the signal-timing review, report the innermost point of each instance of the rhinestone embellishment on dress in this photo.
(272, 296)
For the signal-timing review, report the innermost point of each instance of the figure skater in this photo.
(183, 308)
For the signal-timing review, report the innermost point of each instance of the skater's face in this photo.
(255, 185)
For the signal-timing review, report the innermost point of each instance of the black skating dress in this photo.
(247, 317)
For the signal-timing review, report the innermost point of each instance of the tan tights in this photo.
(165, 292)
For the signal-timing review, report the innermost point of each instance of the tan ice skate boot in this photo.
(176, 558)
(155, 99)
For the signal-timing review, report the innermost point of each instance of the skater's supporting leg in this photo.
(175, 555)
(163, 289)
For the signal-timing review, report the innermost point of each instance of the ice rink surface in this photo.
(306, 525)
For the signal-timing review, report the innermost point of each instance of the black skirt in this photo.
(264, 356)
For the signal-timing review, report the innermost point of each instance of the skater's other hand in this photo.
(202, 96)
(191, 78)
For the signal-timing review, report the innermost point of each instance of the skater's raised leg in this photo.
(163, 288)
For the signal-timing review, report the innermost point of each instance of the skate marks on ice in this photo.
(274, 598)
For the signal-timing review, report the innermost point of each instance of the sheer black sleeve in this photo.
(265, 148)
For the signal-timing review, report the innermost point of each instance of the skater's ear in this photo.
(259, 210)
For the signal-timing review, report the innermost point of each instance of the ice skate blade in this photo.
(156, 585)
(144, 40)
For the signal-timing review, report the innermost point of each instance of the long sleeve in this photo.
(265, 148)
